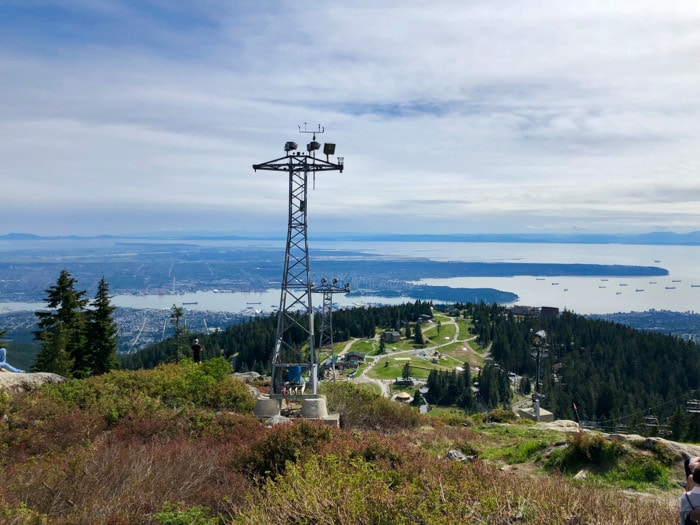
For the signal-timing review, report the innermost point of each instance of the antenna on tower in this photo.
(313, 146)
(314, 131)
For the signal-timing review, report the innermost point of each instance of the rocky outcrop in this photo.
(684, 450)
(10, 382)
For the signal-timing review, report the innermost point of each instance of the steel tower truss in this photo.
(326, 332)
(296, 312)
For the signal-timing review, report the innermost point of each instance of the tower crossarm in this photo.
(300, 163)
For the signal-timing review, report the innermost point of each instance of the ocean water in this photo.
(679, 291)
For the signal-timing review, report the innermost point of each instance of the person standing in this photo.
(690, 464)
(7, 366)
(196, 352)
(690, 500)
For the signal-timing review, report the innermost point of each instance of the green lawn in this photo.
(420, 368)
(365, 346)
(447, 332)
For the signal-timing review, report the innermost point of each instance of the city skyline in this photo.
(487, 117)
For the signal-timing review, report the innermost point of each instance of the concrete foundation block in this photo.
(314, 408)
(266, 408)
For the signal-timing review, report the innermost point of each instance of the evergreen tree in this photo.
(175, 319)
(406, 371)
(102, 332)
(408, 331)
(418, 335)
(54, 356)
(467, 398)
(678, 424)
(62, 330)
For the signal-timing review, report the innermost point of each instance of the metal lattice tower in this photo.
(326, 331)
(296, 314)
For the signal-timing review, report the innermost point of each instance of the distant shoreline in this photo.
(651, 238)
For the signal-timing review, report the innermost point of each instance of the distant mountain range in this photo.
(652, 238)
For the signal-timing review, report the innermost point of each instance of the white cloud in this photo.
(479, 116)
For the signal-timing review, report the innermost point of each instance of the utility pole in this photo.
(289, 361)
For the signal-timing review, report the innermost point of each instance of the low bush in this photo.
(499, 415)
(586, 449)
(121, 448)
(362, 409)
(286, 444)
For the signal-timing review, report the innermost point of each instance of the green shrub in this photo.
(175, 515)
(21, 515)
(362, 409)
(499, 416)
(286, 444)
(144, 403)
(646, 470)
(586, 449)
(4, 402)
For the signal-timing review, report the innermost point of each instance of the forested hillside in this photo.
(619, 378)
(251, 343)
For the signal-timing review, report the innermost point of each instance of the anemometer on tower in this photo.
(293, 366)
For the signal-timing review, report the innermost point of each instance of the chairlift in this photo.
(693, 406)
(651, 421)
(664, 430)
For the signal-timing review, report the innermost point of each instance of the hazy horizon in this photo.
(651, 238)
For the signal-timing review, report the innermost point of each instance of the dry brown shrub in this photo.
(130, 480)
(37, 429)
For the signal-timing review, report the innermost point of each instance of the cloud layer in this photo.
(120, 117)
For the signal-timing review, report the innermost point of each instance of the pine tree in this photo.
(54, 356)
(62, 330)
(175, 318)
(418, 335)
(102, 332)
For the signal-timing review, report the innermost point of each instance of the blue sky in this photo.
(453, 117)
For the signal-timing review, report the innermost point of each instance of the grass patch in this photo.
(514, 444)
(447, 332)
(374, 388)
(451, 416)
(420, 368)
(365, 346)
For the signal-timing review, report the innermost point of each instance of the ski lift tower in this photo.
(326, 332)
(290, 360)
